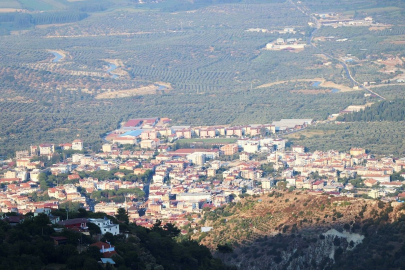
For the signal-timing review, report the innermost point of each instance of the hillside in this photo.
(59, 57)
(382, 111)
(380, 138)
(29, 245)
(291, 230)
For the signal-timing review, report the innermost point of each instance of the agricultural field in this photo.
(115, 54)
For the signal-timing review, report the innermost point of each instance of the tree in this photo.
(224, 248)
(172, 231)
(122, 215)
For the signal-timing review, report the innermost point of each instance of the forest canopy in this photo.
(382, 111)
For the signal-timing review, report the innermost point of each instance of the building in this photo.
(244, 156)
(21, 154)
(79, 223)
(266, 184)
(106, 249)
(125, 140)
(251, 147)
(197, 158)
(193, 197)
(77, 145)
(105, 225)
(298, 149)
(34, 150)
(107, 148)
(230, 149)
(46, 149)
(357, 151)
(150, 144)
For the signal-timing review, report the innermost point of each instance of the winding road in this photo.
(329, 56)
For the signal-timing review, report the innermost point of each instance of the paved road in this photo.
(309, 42)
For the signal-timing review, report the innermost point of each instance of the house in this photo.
(151, 144)
(77, 145)
(370, 182)
(105, 225)
(65, 146)
(318, 184)
(230, 149)
(357, 151)
(14, 220)
(125, 140)
(379, 178)
(244, 156)
(106, 249)
(78, 223)
(46, 149)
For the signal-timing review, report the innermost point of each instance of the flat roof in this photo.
(291, 122)
(134, 133)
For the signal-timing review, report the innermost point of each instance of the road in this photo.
(329, 56)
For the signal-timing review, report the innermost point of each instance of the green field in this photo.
(208, 54)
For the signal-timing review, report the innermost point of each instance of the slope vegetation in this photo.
(295, 230)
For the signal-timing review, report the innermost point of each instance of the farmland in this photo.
(217, 71)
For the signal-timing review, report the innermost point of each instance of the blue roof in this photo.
(134, 133)
(107, 260)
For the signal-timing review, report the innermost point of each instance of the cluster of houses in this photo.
(336, 20)
(149, 133)
(375, 174)
(183, 182)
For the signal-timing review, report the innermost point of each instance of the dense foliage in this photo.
(29, 246)
(382, 111)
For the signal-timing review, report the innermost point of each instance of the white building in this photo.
(77, 145)
(105, 225)
(197, 158)
(193, 197)
(76, 158)
(34, 175)
(46, 149)
(251, 147)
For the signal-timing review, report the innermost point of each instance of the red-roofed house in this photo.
(106, 249)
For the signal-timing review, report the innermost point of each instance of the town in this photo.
(156, 171)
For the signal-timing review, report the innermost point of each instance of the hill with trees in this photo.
(29, 245)
(295, 230)
(382, 111)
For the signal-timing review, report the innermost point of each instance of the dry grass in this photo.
(326, 84)
(150, 89)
